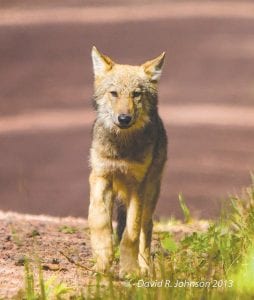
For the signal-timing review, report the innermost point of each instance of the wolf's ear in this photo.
(154, 67)
(101, 63)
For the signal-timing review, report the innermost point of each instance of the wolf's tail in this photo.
(121, 220)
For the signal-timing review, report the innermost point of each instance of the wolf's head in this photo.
(125, 96)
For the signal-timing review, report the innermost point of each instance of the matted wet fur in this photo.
(128, 153)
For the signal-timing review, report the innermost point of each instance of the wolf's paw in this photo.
(101, 267)
(145, 265)
(145, 271)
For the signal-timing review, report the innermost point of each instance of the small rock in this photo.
(8, 238)
(20, 261)
(51, 267)
(55, 261)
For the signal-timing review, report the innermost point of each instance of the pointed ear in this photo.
(153, 67)
(101, 63)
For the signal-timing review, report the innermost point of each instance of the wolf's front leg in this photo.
(100, 221)
(151, 196)
(145, 241)
(130, 241)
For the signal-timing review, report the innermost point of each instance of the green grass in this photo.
(215, 264)
(68, 229)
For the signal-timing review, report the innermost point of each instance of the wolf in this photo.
(127, 157)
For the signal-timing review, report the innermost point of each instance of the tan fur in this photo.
(127, 163)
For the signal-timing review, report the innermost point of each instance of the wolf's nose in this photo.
(124, 119)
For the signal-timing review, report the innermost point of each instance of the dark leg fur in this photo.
(121, 220)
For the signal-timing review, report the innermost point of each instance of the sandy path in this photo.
(122, 14)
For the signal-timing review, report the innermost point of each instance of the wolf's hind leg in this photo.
(100, 221)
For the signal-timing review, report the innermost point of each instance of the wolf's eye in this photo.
(113, 94)
(136, 94)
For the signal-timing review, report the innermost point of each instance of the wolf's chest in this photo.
(113, 166)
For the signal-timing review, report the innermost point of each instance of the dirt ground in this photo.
(61, 244)
(206, 97)
(41, 238)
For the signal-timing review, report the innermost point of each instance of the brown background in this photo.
(206, 97)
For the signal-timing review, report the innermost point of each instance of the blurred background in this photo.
(46, 82)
